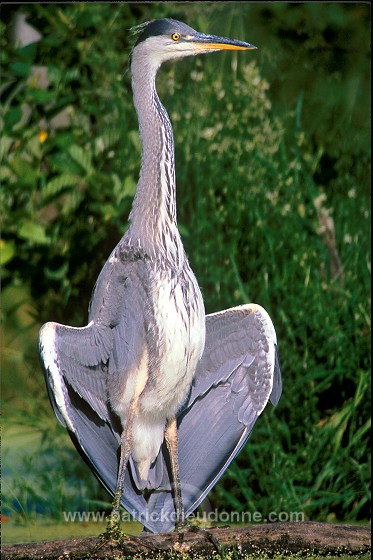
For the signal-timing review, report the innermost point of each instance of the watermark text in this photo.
(204, 517)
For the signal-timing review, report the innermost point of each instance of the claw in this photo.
(185, 526)
(208, 535)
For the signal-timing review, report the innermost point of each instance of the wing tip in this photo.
(277, 381)
(53, 376)
(47, 334)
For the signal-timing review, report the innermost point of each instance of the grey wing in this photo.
(83, 357)
(237, 375)
(76, 363)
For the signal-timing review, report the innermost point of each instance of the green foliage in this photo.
(57, 169)
(48, 483)
(273, 206)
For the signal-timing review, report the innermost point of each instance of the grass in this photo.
(40, 530)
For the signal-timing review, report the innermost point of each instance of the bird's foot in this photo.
(183, 527)
(113, 529)
(208, 535)
(113, 533)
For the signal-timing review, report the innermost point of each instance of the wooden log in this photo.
(285, 538)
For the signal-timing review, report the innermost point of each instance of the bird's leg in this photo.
(171, 437)
(125, 452)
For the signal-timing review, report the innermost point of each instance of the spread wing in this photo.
(238, 374)
(77, 362)
(83, 358)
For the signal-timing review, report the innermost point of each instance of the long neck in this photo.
(153, 214)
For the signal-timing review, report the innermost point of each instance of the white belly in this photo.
(182, 340)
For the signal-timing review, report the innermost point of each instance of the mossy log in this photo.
(286, 538)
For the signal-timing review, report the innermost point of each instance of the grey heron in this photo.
(157, 397)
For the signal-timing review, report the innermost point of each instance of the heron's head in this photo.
(167, 39)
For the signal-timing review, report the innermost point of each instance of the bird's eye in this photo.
(175, 36)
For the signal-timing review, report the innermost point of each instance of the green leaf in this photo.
(108, 139)
(6, 174)
(62, 163)
(28, 52)
(64, 140)
(57, 184)
(58, 274)
(71, 202)
(40, 96)
(54, 73)
(21, 69)
(31, 231)
(82, 157)
(7, 251)
(13, 116)
(25, 173)
(129, 186)
(134, 137)
(5, 143)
